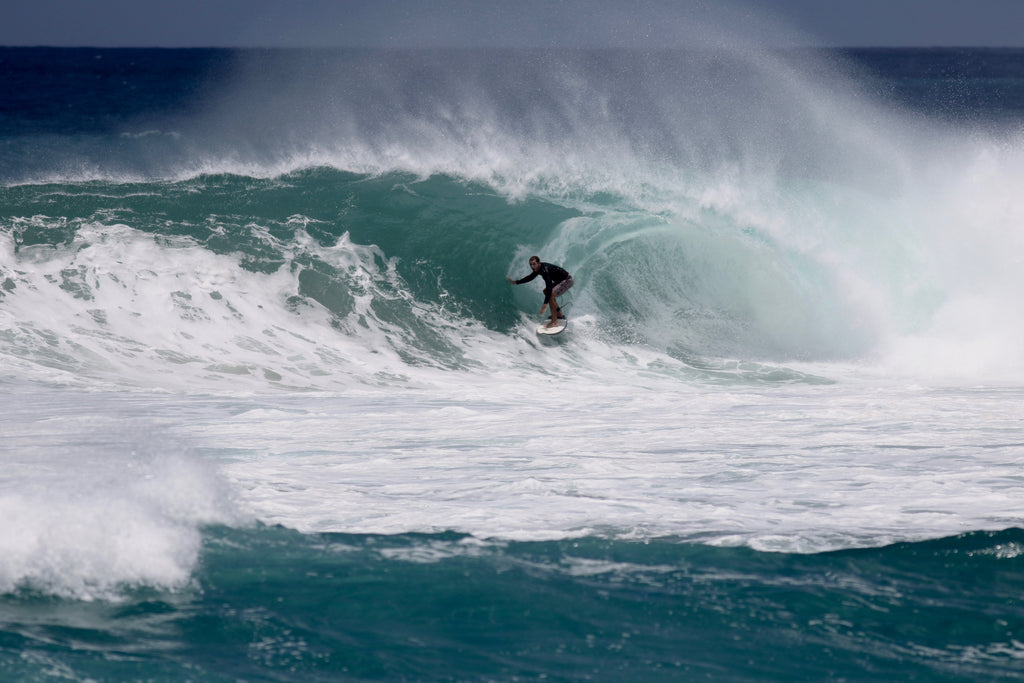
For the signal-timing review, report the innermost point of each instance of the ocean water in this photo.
(271, 411)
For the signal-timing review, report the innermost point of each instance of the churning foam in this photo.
(96, 502)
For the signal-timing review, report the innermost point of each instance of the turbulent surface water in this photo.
(271, 410)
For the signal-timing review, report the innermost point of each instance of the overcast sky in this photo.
(533, 23)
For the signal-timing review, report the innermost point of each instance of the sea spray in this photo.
(107, 502)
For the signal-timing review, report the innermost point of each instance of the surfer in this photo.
(556, 283)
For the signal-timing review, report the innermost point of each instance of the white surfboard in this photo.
(562, 324)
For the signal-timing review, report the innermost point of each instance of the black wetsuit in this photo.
(552, 276)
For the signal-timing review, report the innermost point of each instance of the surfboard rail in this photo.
(545, 330)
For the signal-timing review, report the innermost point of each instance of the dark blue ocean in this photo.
(270, 411)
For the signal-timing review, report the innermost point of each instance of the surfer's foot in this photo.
(553, 323)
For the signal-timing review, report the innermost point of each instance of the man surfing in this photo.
(556, 283)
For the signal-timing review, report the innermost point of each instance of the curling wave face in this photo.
(356, 212)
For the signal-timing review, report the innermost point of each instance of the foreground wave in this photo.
(272, 603)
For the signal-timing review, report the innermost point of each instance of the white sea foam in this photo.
(95, 498)
(794, 469)
(106, 490)
(134, 309)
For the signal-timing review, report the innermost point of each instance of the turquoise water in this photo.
(268, 603)
(272, 412)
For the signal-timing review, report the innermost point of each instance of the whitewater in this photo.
(256, 310)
